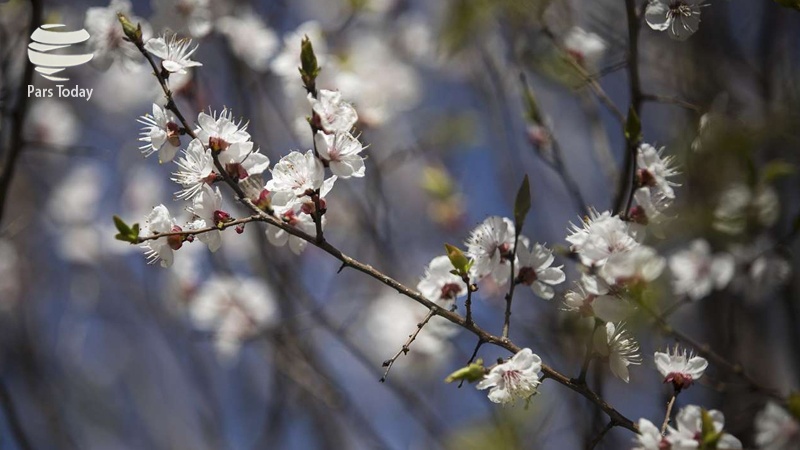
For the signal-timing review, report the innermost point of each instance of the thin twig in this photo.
(407, 346)
(671, 100)
(631, 145)
(600, 436)
(513, 284)
(472, 358)
(197, 231)
(548, 372)
(668, 413)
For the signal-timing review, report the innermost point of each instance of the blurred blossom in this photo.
(233, 310)
(250, 39)
(107, 39)
(776, 429)
(192, 17)
(761, 271)
(649, 437)
(606, 307)
(739, 204)
(696, 272)
(690, 432)
(379, 84)
(587, 48)
(75, 200)
(621, 349)
(121, 90)
(51, 122)
(389, 321)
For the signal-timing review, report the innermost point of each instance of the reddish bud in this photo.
(221, 217)
(175, 241)
(217, 144)
(239, 229)
(638, 215)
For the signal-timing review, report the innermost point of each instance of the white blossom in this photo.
(341, 149)
(439, 284)
(655, 170)
(157, 222)
(514, 379)
(681, 368)
(680, 18)
(491, 244)
(639, 264)
(689, 431)
(649, 210)
(776, 429)
(534, 270)
(696, 271)
(207, 209)
(174, 53)
(220, 131)
(161, 133)
(298, 174)
(601, 236)
(615, 343)
(333, 113)
(51, 122)
(196, 169)
(292, 216)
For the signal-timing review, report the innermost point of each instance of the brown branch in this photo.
(600, 436)
(668, 413)
(615, 416)
(186, 233)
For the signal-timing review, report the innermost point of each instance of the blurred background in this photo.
(99, 350)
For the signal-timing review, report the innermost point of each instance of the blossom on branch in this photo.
(207, 209)
(331, 112)
(601, 236)
(491, 245)
(174, 53)
(649, 437)
(161, 133)
(157, 222)
(680, 18)
(439, 284)
(534, 270)
(341, 150)
(514, 379)
(196, 169)
(654, 170)
(680, 368)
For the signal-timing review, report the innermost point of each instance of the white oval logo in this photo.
(45, 41)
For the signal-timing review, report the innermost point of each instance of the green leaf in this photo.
(309, 69)
(522, 204)
(710, 436)
(126, 233)
(775, 170)
(470, 374)
(458, 259)
(633, 126)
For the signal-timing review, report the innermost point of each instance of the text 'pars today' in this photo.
(60, 91)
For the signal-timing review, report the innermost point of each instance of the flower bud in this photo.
(133, 33)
